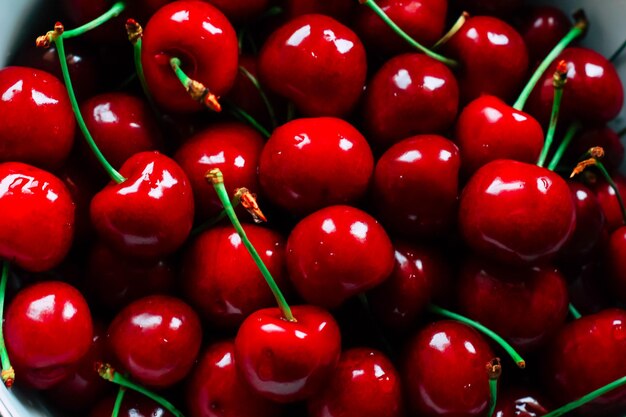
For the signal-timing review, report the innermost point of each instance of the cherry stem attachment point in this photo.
(618, 51)
(577, 30)
(243, 116)
(107, 372)
(114, 11)
(574, 311)
(381, 13)
(494, 370)
(519, 361)
(197, 91)
(453, 30)
(266, 101)
(121, 392)
(216, 178)
(567, 140)
(558, 81)
(8, 374)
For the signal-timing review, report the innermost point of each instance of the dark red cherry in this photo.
(48, 330)
(516, 213)
(586, 355)
(36, 120)
(364, 384)
(492, 56)
(133, 405)
(444, 371)
(415, 189)
(287, 361)
(526, 306)
(36, 217)
(216, 389)
(150, 214)
(241, 11)
(202, 38)
(608, 200)
(156, 339)
(410, 94)
(519, 402)
(594, 92)
(542, 27)
(616, 259)
(337, 252)
(341, 10)
(315, 62)
(221, 280)
(489, 7)
(488, 129)
(234, 148)
(308, 164)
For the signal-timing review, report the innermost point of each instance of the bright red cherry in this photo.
(616, 258)
(337, 252)
(303, 165)
(133, 405)
(216, 389)
(202, 38)
(542, 27)
(37, 217)
(516, 213)
(364, 384)
(48, 330)
(317, 63)
(150, 214)
(287, 361)
(410, 94)
(156, 339)
(36, 119)
(415, 189)
(221, 280)
(488, 129)
(444, 371)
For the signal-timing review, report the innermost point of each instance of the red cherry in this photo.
(444, 371)
(37, 215)
(608, 201)
(82, 187)
(48, 330)
(616, 259)
(287, 361)
(519, 402)
(364, 384)
(202, 38)
(156, 339)
(516, 213)
(133, 405)
(488, 129)
(415, 189)
(303, 165)
(315, 62)
(493, 58)
(36, 119)
(216, 389)
(602, 136)
(410, 94)
(542, 27)
(150, 214)
(337, 252)
(222, 281)
(241, 10)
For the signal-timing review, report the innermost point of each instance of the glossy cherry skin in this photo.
(203, 39)
(150, 214)
(526, 306)
(156, 339)
(36, 119)
(492, 56)
(594, 92)
(586, 355)
(37, 217)
(216, 389)
(364, 384)
(48, 330)
(234, 148)
(416, 187)
(133, 405)
(542, 27)
(519, 402)
(221, 280)
(410, 94)
(238, 11)
(488, 129)
(287, 361)
(337, 252)
(608, 200)
(315, 62)
(616, 259)
(422, 20)
(444, 371)
(516, 213)
(303, 165)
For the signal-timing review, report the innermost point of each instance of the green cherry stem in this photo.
(587, 398)
(216, 178)
(135, 34)
(119, 398)
(381, 13)
(494, 370)
(567, 139)
(577, 30)
(453, 30)
(215, 220)
(243, 116)
(618, 51)
(519, 361)
(8, 374)
(107, 372)
(574, 311)
(266, 101)
(114, 11)
(558, 81)
(196, 89)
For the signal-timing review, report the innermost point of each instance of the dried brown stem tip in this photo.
(133, 30)
(494, 369)
(214, 176)
(105, 370)
(580, 19)
(248, 201)
(582, 165)
(46, 40)
(560, 75)
(200, 93)
(8, 377)
(596, 152)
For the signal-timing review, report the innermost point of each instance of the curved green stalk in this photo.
(560, 77)
(114, 11)
(215, 220)
(567, 139)
(8, 374)
(618, 52)
(587, 398)
(608, 179)
(121, 392)
(247, 118)
(494, 370)
(266, 101)
(574, 311)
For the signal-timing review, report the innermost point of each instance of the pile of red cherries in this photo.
(405, 208)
